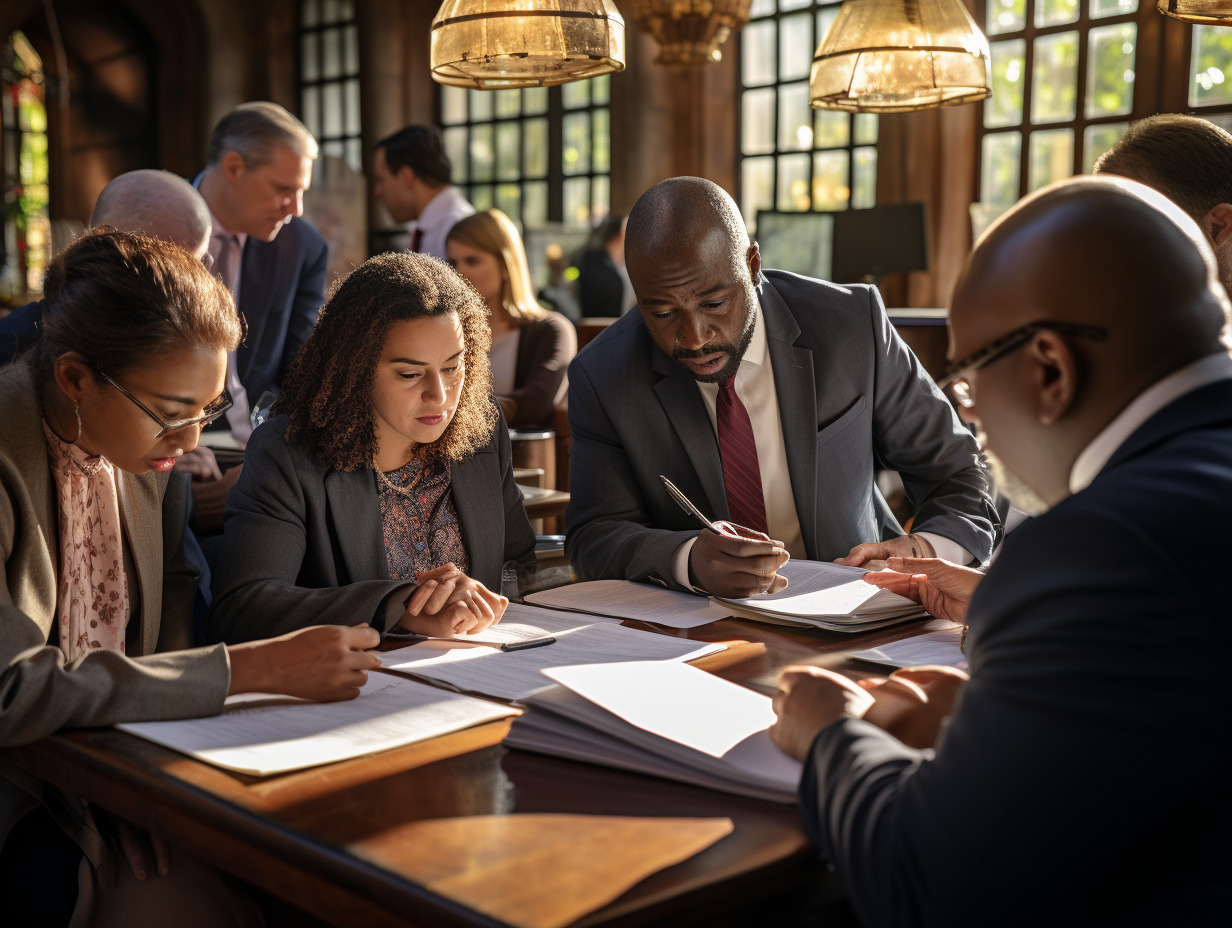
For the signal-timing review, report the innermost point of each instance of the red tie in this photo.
(738, 452)
(417, 240)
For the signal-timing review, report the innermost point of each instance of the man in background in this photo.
(410, 175)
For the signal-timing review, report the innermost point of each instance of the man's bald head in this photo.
(158, 204)
(678, 215)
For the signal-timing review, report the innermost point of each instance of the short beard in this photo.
(734, 352)
(1020, 494)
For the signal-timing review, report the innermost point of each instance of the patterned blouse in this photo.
(419, 520)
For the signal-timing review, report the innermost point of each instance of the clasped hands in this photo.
(446, 602)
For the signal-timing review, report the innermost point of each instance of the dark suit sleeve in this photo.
(519, 536)
(609, 533)
(551, 343)
(309, 298)
(916, 432)
(259, 582)
(1081, 742)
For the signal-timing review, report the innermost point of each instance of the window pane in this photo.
(1004, 107)
(350, 44)
(830, 185)
(1110, 70)
(481, 197)
(1210, 66)
(534, 101)
(334, 149)
(1055, 12)
(577, 143)
(508, 102)
(1222, 120)
(756, 188)
(795, 46)
(1098, 139)
(825, 18)
(355, 155)
(309, 60)
(508, 143)
(600, 197)
(455, 147)
(575, 94)
(865, 164)
(331, 110)
(795, 119)
(757, 122)
(785, 5)
(761, 8)
(577, 201)
(310, 12)
(509, 200)
(1006, 16)
(831, 128)
(332, 11)
(999, 158)
(535, 204)
(601, 151)
(1102, 8)
(483, 155)
(601, 90)
(793, 186)
(535, 147)
(866, 128)
(481, 105)
(331, 53)
(1054, 90)
(758, 58)
(350, 89)
(1052, 157)
(453, 105)
(311, 112)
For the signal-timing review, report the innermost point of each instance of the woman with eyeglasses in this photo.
(382, 491)
(96, 601)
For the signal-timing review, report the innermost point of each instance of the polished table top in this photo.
(345, 841)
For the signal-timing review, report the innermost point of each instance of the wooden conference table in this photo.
(359, 842)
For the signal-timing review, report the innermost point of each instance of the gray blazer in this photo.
(303, 543)
(852, 398)
(39, 692)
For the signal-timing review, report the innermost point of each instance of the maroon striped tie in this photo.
(417, 241)
(738, 452)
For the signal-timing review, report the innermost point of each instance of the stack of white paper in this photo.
(828, 596)
(662, 718)
(624, 599)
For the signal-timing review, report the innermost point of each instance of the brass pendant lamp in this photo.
(893, 56)
(1200, 12)
(494, 44)
(690, 32)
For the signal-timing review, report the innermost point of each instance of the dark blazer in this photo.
(19, 330)
(282, 290)
(852, 397)
(540, 377)
(1083, 779)
(303, 543)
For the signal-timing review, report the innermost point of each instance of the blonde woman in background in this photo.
(531, 346)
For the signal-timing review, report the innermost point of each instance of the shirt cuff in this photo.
(390, 611)
(947, 550)
(680, 564)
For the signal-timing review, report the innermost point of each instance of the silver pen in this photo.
(684, 503)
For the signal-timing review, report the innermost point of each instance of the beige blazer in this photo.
(39, 692)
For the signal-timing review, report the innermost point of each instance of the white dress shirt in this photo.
(437, 218)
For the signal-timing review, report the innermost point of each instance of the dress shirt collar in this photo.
(759, 349)
(438, 209)
(1193, 376)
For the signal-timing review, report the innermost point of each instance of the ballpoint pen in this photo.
(684, 503)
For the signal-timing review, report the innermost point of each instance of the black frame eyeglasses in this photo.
(208, 415)
(954, 379)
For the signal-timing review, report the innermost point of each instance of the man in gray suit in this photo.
(770, 400)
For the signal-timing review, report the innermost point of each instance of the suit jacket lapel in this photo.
(476, 498)
(141, 513)
(682, 402)
(356, 517)
(794, 382)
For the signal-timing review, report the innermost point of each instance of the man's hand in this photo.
(808, 700)
(322, 662)
(447, 602)
(874, 556)
(944, 589)
(912, 703)
(739, 562)
(200, 463)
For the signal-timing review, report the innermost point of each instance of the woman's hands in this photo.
(447, 602)
(323, 662)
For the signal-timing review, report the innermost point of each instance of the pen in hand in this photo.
(686, 504)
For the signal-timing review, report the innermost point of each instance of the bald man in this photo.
(1082, 777)
(770, 400)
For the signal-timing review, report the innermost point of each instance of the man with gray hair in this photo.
(258, 166)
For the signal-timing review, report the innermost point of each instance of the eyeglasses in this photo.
(208, 415)
(955, 378)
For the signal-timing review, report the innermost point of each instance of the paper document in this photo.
(625, 599)
(935, 646)
(669, 719)
(518, 674)
(261, 734)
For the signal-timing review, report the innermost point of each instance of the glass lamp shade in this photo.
(491, 44)
(892, 56)
(1202, 12)
(690, 32)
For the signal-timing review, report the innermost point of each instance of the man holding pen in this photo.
(770, 400)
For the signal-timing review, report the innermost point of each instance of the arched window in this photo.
(25, 247)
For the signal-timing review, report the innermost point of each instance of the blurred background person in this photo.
(531, 346)
(410, 176)
(603, 283)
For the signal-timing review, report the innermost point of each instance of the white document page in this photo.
(262, 734)
(628, 600)
(819, 588)
(935, 646)
(518, 674)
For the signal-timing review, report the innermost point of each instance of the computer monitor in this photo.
(798, 242)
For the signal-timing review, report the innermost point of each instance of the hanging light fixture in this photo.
(690, 32)
(492, 44)
(1201, 12)
(892, 56)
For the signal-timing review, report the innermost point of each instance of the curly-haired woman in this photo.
(382, 491)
